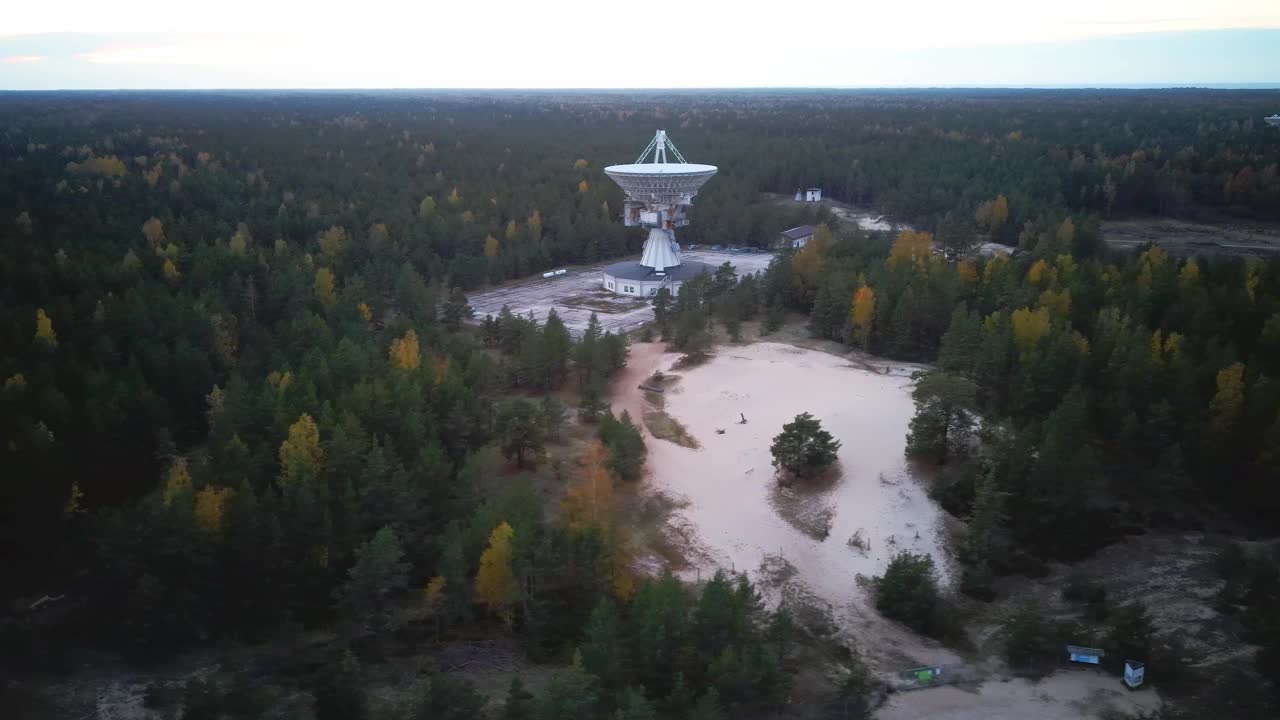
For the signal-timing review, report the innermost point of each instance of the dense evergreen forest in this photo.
(240, 393)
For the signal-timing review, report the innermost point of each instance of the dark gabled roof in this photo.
(796, 233)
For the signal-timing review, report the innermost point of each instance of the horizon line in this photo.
(1247, 85)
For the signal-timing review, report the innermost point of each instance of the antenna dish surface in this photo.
(674, 183)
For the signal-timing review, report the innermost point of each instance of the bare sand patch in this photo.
(795, 542)
(744, 521)
(1069, 695)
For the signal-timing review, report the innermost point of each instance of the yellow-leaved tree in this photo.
(405, 351)
(153, 231)
(170, 271)
(1028, 327)
(301, 457)
(176, 481)
(1252, 277)
(239, 242)
(589, 501)
(324, 287)
(454, 198)
(510, 233)
(75, 502)
(999, 213)
(495, 582)
(535, 226)
(1058, 303)
(225, 337)
(332, 242)
(807, 264)
(490, 246)
(579, 164)
(365, 312)
(44, 330)
(1066, 234)
(1039, 273)
(1189, 276)
(211, 507)
(426, 207)
(1228, 401)
(582, 186)
(910, 248)
(863, 312)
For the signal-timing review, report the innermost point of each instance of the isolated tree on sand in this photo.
(803, 448)
(908, 591)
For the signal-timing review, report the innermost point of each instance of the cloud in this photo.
(133, 54)
(22, 59)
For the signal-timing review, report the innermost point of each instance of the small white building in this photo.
(810, 195)
(1272, 120)
(796, 237)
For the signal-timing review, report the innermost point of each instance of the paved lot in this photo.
(577, 294)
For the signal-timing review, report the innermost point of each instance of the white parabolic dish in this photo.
(674, 183)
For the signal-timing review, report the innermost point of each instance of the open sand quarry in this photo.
(730, 511)
(733, 514)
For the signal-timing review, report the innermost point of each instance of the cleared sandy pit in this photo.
(1065, 696)
(731, 513)
(794, 540)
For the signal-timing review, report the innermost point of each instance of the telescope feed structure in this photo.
(656, 195)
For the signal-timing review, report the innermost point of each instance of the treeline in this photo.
(1114, 391)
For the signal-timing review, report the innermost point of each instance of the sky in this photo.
(252, 44)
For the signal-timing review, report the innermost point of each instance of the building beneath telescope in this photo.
(657, 195)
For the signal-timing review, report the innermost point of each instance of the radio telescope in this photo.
(657, 194)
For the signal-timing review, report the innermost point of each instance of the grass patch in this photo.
(665, 427)
(606, 304)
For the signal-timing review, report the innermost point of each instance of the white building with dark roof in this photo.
(796, 237)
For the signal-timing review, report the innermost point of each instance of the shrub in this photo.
(908, 592)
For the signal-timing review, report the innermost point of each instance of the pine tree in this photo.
(983, 545)
(340, 694)
(1130, 634)
(1028, 637)
(708, 706)
(962, 342)
(369, 601)
(442, 697)
(601, 648)
(519, 703)
(634, 706)
(456, 309)
(625, 445)
(775, 315)
(557, 349)
(570, 693)
(520, 430)
(942, 427)
(908, 591)
(803, 448)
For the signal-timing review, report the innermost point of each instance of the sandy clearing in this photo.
(742, 519)
(1068, 695)
(732, 514)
